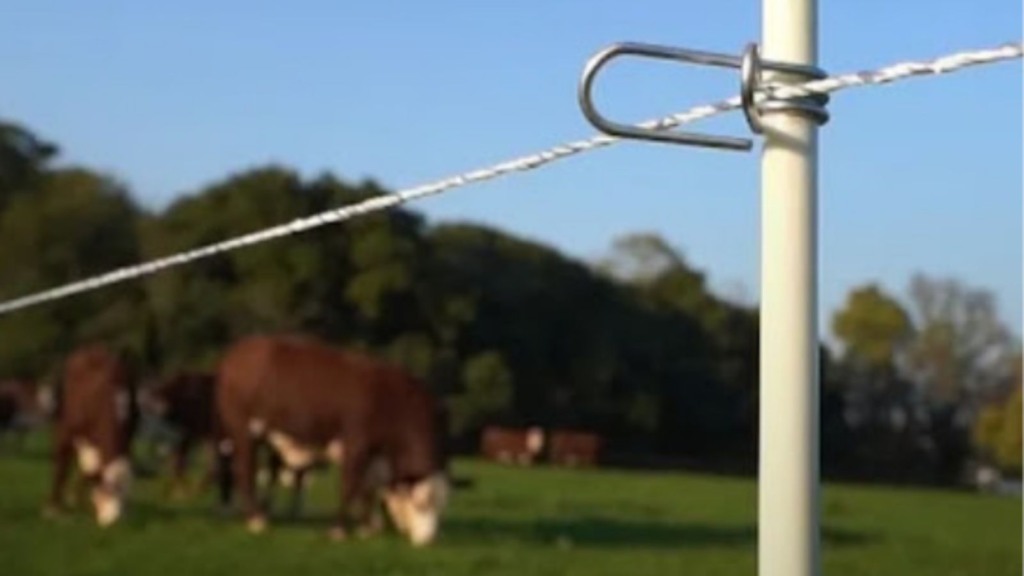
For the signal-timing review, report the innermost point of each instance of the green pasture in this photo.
(516, 521)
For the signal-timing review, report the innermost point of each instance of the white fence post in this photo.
(788, 509)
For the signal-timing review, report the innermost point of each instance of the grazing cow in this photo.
(573, 448)
(19, 410)
(95, 420)
(180, 408)
(512, 445)
(310, 401)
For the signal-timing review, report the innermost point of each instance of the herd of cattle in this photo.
(294, 401)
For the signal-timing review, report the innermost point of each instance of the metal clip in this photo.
(750, 66)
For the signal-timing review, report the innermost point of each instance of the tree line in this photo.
(507, 331)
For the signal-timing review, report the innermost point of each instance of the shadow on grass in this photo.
(579, 531)
(598, 532)
(143, 512)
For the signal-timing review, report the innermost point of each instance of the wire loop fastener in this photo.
(756, 97)
(750, 67)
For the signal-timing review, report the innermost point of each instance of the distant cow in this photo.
(312, 401)
(96, 416)
(573, 448)
(20, 410)
(512, 445)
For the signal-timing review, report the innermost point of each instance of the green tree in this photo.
(639, 257)
(958, 360)
(488, 392)
(960, 352)
(1009, 447)
(708, 352)
(24, 157)
(873, 327)
(997, 429)
(284, 285)
(879, 406)
(79, 223)
(415, 352)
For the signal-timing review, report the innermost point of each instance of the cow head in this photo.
(416, 507)
(110, 491)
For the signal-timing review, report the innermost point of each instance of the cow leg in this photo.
(245, 479)
(179, 467)
(370, 511)
(190, 485)
(275, 470)
(210, 470)
(377, 477)
(353, 472)
(298, 491)
(63, 452)
(221, 465)
(83, 484)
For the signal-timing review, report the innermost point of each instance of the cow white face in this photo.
(108, 506)
(417, 510)
(109, 496)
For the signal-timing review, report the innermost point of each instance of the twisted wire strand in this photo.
(888, 74)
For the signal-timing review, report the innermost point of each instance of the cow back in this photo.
(315, 392)
(574, 447)
(97, 399)
(189, 401)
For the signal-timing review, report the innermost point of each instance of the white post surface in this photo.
(788, 508)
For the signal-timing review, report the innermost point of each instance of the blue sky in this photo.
(924, 175)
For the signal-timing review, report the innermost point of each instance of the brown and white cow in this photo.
(574, 448)
(508, 445)
(95, 420)
(181, 409)
(309, 401)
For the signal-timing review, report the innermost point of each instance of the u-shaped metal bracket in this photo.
(750, 66)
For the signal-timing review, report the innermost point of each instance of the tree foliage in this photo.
(913, 377)
(24, 157)
(636, 346)
(998, 429)
(961, 351)
(873, 327)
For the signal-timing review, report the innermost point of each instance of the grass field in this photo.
(523, 522)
